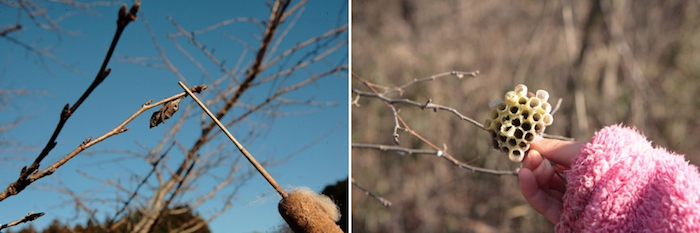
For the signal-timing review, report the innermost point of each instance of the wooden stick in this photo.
(250, 157)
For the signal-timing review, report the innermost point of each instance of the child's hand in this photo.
(540, 186)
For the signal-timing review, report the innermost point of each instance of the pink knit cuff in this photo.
(620, 183)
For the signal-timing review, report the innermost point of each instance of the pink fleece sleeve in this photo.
(620, 183)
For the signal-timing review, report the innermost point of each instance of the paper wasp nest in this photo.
(514, 122)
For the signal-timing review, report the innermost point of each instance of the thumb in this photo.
(557, 151)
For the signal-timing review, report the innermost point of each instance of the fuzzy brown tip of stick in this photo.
(306, 211)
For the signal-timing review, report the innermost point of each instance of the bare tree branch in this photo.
(163, 57)
(10, 29)
(385, 202)
(399, 150)
(217, 25)
(458, 74)
(126, 203)
(438, 153)
(330, 33)
(28, 174)
(31, 216)
(204, 50)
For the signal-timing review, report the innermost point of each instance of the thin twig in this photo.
(556, 106)
(41, 53)
(217, 25)
(10, 29)
(240, 147)
(397, 126)
(330, 33)
(458, 74)
(468, 167)
(160, 50)
(31, 216)
(207, 52)
(545, 135)
(446, 155)
(426, 105)
(397, 149)
(126, 203)
(384, 202)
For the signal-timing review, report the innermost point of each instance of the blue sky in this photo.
(129, 85)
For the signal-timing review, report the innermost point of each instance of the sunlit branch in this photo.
(31, 216)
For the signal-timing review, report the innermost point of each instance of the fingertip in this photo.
(532, 159)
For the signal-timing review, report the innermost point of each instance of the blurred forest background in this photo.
(630, 62)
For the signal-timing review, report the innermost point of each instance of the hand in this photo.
(540, 186)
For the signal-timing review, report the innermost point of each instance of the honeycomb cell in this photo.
(543, 95)
(536, 117)
(505, 120)
(511, 98)
(514, 110)
(501, 107)
(516, 155)
(496, 125)
(525, 113)
(502, 138)
(487, 124)
(493, 114)
(539, 128)
(517, 121)
(512, 142)
(548, 119)
(522, 100)
(510, 130)
(534, 103)
(524, 145)
(546, 107)
(520, 89)
(519, 134)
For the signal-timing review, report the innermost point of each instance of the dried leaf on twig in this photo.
(166, 111)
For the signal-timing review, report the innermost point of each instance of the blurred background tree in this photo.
(611, 62)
